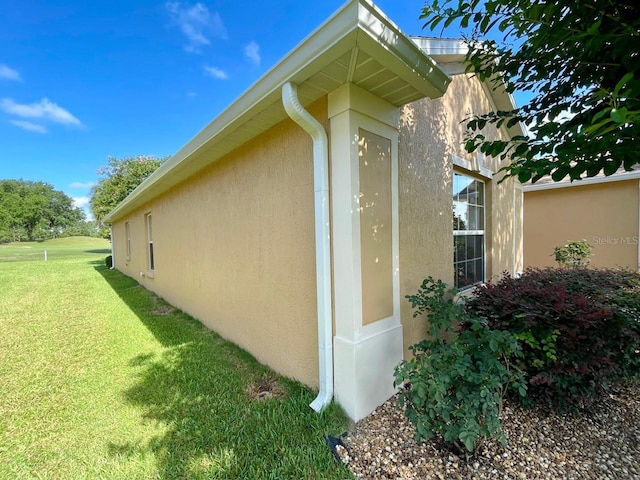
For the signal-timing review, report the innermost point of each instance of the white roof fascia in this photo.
(616, 177)
(356, 23)
(450, 54)
(441, 46)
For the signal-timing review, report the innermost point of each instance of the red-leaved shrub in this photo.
(579, 328)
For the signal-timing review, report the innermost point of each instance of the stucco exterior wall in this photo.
(605, 215)
(234, 247)
(431, 133)
(375, 226)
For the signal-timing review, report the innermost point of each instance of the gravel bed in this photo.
(600, 442)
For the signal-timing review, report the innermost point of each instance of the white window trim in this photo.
(127, 230)
(476, 166)
(464, 233)
(151, 257)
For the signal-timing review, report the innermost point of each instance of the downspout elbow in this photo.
(322, 236)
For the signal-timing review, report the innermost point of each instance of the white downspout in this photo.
(323, 253)
(113, 256)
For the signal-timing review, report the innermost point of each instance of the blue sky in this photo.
(84, 80)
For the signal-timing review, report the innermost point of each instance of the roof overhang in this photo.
(599, 179)
(450, 55)
(358, 44)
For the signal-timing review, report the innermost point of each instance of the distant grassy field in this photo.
(56, 249)
(102, 379)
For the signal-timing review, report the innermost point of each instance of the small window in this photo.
(150, 256)
(468, 231)
(128, 235)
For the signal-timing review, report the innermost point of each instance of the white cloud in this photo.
(81, 202)
(81, 185)
(252, 52)
(216, 73)
(9, 73)
(45, 110)
(31, 127)
(197, 23)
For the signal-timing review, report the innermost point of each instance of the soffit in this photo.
(358, 44)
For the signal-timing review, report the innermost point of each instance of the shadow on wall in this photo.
(425, 178)
(197, 388)
(431, 131)
(426, 231)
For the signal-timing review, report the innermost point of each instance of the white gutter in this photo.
(323, 253)
(616, 177)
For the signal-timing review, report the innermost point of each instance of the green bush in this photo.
(574, 254)
(456, 381)
(108, 261)
(578, 328)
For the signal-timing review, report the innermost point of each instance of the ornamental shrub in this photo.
(578, 328)
(454, 385)
(573, 254)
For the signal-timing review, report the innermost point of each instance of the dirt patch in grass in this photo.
(163, 310)
(264, 389)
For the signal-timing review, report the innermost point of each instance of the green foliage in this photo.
(578, 328)
(36, 211)
(119, 179)
(574, 254)
(455, 383)
(580, 62)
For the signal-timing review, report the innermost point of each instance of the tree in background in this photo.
(36, 211)
(581, 62)
(119, 179)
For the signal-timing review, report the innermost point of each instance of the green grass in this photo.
(102, 379)
(56, 249)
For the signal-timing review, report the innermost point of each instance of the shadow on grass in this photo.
(197, 389)
(99, 250)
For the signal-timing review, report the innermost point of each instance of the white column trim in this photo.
(364, 355)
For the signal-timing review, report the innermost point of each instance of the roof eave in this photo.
(616, 177)
(357, 25)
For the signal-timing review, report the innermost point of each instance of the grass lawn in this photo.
(102, 379)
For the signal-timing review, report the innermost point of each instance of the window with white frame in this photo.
(468, 230)
(127, 231)
(150, 256)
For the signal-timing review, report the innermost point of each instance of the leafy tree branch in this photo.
(581, 62)
(119, 178)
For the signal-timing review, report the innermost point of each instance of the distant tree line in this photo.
(119, 179)
(33, 211)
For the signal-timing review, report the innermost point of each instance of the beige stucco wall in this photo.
(605, 215)
(430, 133)
(376, 254)
(234, 247)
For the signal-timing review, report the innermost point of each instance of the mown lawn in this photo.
(101, 379)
